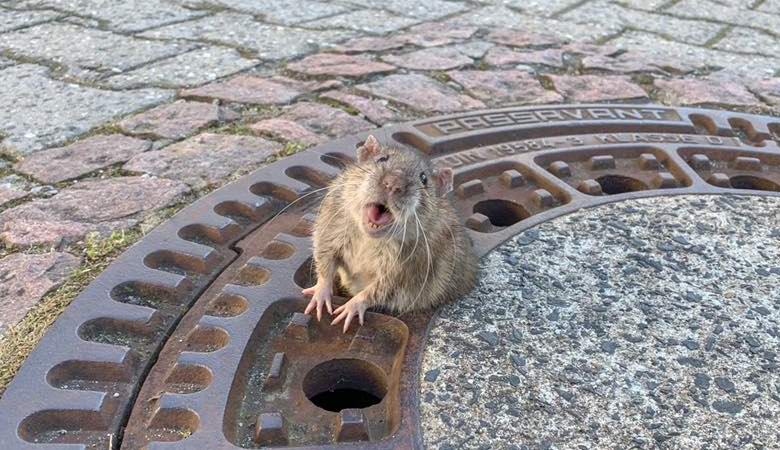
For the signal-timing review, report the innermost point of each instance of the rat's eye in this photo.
(424, 178)
(382, 159)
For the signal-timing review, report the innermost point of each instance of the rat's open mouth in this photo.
(378, 216)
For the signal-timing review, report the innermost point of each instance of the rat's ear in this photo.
(369, 149)
(444, 178)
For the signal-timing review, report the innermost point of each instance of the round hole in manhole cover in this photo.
(341, 384)
(501, 213)
(616, 184)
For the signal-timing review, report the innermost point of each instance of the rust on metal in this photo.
(195, 337)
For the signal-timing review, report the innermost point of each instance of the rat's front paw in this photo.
(319, 295)
(356, 306)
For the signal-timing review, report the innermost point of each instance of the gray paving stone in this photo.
(710, 10)
(189, 69)
(38, 112)
(286, 12)
(559, 347)
(604, 12)
(426, 10)
(5, 62)
(87, 48)
(770, 6)
(647, 5)
(498, 16)
(544, 8)
(747, 65)
(421, 93)
(368, 21)
(125, 15)
(745, 40)
(269, 41)
(11, 20)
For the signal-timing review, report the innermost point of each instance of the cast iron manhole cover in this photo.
(194, 338)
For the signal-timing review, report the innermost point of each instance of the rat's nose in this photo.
(393, 183)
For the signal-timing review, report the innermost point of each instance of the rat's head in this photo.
(398, 186)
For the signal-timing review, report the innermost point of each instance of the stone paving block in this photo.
(369, 44)
(767, 90)
(473, 49)
(5, 62)
(634, 62)
(87, 48)
(647, 5)
(13, 187)
(420, 93)
(285, 12)
(333, 64)
(433, 34)
(11, 20)
(205, 160)
(604, 12)
(770, 6)
(753, 66)
(126, 15)
(287, 131)
(38, 112)
(504, 87)
(699, 92)
(377, 111)
(501, 56)
(176, 120)
(25, 279)
(710, 10)
(745, 40)
(322, 119)
(435, 58)
(90, 206)
(369, 21)
(544, 8)
(269, 41)
(188, 69)
(82, 157)
(592, 88)
(498, 16)
(427, 10)
(519, 38)
(245, 89)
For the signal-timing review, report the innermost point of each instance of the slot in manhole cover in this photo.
(194, 338)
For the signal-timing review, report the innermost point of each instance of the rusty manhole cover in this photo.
(194, 338)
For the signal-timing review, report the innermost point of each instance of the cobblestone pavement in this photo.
(115, 113)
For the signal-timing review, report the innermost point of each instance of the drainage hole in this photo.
(755, 183)
(501, 213)
(345, 384)
(616, 184)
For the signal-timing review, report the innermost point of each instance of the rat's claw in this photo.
(356, 306)
(319, 297)
(308, 292)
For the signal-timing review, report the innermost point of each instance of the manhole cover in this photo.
(194, 338)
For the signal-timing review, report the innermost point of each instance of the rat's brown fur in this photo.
(424, 264)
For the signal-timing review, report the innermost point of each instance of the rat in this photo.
(387, 229)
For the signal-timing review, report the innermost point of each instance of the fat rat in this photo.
(387, 230)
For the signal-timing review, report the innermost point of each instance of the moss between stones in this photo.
(97, 253)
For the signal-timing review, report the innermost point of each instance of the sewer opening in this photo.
(616, 184)
(755, 183)
(345, 384)
(501, 213)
